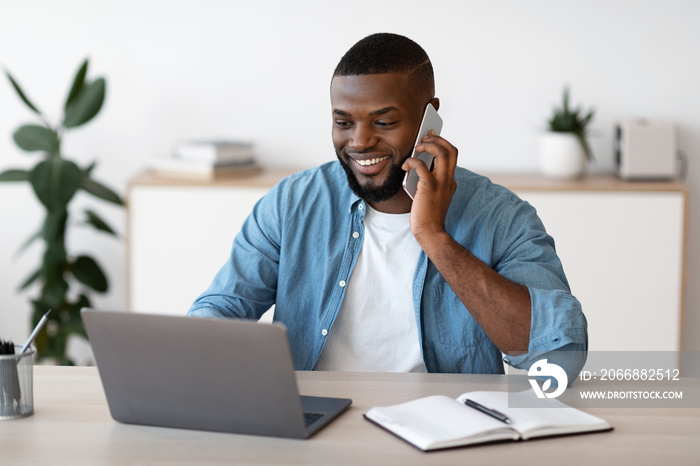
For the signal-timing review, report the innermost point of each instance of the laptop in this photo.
(224, 375)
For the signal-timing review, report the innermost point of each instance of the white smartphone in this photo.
(431, 120)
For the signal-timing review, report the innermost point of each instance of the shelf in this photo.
(605, 183)
(265, 178)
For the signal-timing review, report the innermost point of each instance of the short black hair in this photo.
(388, 53)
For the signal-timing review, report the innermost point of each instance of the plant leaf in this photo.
(27, 243)
(34, 137)
(55, 261)
(55, 182)
(565, 120)
(101, 191)
(98, 223)
(54, 225)
(55, 286)
(78, 82)
(56, 342)
(74, 310)
(581, 136)
(73, 323)
(21, 93)
(87, 171)
(31, 279)
(86, 105)
(15, 175)
(88, 272)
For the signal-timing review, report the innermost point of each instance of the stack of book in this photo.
(206, 159)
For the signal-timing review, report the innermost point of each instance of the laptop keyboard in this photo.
(310, 418)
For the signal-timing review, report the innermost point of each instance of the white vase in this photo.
(561, 156)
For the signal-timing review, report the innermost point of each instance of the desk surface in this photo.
(72, 425)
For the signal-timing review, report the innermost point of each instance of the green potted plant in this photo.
(565, 149)
(65, 279)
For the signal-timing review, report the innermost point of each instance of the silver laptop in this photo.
(222, 375)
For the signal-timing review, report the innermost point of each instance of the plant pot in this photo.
(561, 156)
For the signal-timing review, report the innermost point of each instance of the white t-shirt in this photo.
(376, 330)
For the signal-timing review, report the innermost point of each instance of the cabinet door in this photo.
(622, 253)
(179, 237)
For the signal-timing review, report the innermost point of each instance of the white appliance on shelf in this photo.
(645, 149)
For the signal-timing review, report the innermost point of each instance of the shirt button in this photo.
(355, 235)
(361, 207)
(342, 283)
(324, 332)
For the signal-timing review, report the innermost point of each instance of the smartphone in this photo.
(431, 120)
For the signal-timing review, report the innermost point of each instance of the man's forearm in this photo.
(501, 307)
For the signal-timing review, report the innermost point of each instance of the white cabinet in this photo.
(621, 245)
(180, 234)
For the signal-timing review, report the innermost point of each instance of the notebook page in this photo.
(438, 422)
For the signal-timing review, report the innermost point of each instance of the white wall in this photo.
(261, 70)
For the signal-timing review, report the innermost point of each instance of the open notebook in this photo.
(437, 422)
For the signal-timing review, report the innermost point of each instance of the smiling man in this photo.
(367, 279)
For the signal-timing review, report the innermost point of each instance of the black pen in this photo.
(491, 412)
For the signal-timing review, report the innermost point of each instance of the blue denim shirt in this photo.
(298, 247)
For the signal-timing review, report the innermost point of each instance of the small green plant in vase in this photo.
(65, 279)
(565, 149)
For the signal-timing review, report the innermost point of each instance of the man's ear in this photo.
(436, 103)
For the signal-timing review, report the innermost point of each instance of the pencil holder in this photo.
(16, 384)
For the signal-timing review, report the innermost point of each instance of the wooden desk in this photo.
(72, 425)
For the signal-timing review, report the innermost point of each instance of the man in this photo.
(364, 278)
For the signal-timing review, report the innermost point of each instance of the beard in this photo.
(371, 193)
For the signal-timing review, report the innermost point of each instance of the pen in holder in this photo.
(16, 381)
